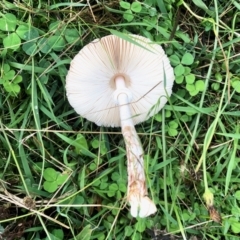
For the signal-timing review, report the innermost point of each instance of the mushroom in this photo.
(122, 82)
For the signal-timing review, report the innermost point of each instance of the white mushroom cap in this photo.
(145, 67)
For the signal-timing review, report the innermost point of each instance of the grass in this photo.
(63, 177)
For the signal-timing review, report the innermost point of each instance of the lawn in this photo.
(63, 177)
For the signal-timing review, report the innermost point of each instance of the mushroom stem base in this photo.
(141, 204)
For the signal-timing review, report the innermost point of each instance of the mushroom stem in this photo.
(137, 195)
